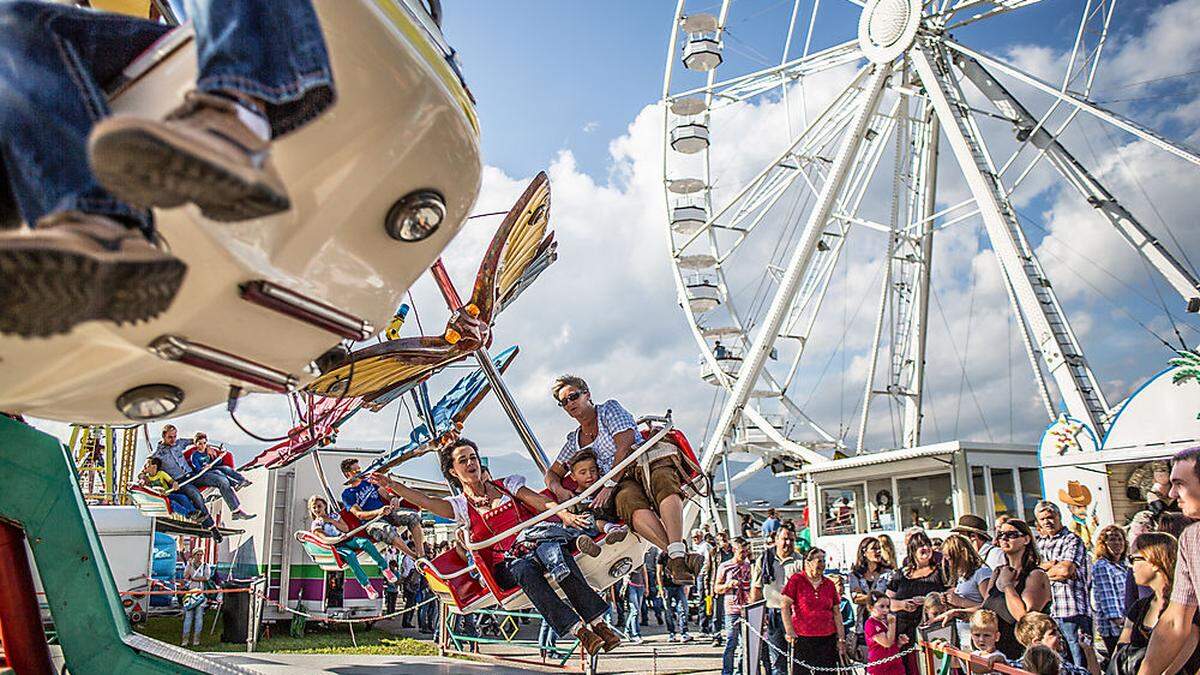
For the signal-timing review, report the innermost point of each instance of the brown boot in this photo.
(587, 546)
(694, 562)
(75, 267)
(607, 635)
(589, 641)
(200, 153)
(677, 567)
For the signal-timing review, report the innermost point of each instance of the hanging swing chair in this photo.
(267, 297)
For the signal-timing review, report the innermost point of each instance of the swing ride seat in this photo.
(452, 572)
(325, 554)
(403, 119)
(150, 502)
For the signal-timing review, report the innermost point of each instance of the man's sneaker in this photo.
(216, 535)
(608, 635)
(616, 535)
(677, 567)
(74, 267)
(637, 639)
(242, 515)
(587, 546)
(244, 484)
(672, 638)
(685, 638)
(202, 152)
(717, 641)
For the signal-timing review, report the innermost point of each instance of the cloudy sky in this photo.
(573, 88)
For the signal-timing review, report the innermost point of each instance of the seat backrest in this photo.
(324, 555)
(149, 502)
(465, 589)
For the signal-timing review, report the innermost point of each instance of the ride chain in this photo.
(365, 619)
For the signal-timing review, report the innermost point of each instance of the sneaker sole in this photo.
(587, 546)
(48, 291)
(149, 170)
(616, 537)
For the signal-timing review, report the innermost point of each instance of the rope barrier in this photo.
(380, 617)
(215, 591)
(849, 667)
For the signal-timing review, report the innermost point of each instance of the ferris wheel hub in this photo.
(887, 28)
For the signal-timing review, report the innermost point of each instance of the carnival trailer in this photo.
(279, 499)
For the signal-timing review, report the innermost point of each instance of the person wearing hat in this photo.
(1078, 498)
(975, 529)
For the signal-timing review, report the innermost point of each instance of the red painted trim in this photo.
(25, 647)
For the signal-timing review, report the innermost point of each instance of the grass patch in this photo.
(318, 639)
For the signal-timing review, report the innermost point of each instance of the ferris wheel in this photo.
(852, 111)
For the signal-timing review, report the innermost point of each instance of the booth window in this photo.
(1006, 493)
(979, 493)
(926, 501)
(841, 510)
(881, 506)
(1031, 489)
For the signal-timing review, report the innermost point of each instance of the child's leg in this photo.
(350, 555)
(366, 545)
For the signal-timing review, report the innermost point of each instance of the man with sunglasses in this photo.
(1065, 560)
(611, 433)
(1175, 624)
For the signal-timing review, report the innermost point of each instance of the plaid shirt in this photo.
(1187, 570)
(1070, 596)
(613, 419)
(1108, 596)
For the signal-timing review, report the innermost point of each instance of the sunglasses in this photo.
(570, 398)
(1009, 534)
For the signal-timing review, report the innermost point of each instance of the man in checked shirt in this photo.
(1176, 625)
(1065, 559)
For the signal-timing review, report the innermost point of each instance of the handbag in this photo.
(1125, 660)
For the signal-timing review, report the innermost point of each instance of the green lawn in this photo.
(334, 639)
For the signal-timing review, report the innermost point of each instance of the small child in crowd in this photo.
(1042, 660)
(934, 606)
(882, 641)
(985, 634)
(849, 617)
(1037, 629)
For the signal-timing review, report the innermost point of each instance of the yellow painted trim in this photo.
(416, 37)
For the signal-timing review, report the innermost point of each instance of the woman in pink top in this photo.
(815, 630)
(882, 640)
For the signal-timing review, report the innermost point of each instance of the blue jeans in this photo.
(193, 621)
(549, 539)
(547, 638)
(230, 474)
(210, 479)
(1071, 627)
(349, 550)
(677, 610)
(528, 573)
(193, 495)
(56, 62)
(733, 631)
(181, 505)
(776, 636)
(634, 595)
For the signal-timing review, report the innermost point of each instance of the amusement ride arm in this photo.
(617, 470)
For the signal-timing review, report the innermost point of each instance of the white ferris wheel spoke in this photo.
(752, 364)
(1125, 124)
(998, 7)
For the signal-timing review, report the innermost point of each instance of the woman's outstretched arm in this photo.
(435, 505)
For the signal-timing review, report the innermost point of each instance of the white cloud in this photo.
(590, 126)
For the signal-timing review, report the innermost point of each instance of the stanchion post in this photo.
(25, 646)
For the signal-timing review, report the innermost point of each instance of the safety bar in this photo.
(617, 470)
(201, 472)
(967, 657)
(346, 536)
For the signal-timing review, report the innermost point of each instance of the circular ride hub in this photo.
(780, 168)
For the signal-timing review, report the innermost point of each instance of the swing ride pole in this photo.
(503, 395)
(25, 646)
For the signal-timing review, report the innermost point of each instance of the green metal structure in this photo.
(39, 492)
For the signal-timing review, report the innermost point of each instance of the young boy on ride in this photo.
(364, 500)
(152, 476)
(543, 538)
(204, 454)
(331, 528)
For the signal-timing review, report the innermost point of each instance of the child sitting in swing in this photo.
(152, 476)
(331, 528)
